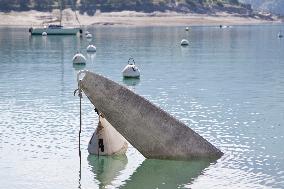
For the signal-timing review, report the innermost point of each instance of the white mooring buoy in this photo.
(184, 42)
(187, 29)
(89, 36)
(44, 34)
(131, 70)
(91, 48)
(79, 58)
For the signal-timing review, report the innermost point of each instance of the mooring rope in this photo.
(80, 96)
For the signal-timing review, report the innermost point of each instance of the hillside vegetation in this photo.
(91, 6)
(273, 6)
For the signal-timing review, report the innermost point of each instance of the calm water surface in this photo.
(228, 85)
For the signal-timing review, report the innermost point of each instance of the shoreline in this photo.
(128, 18)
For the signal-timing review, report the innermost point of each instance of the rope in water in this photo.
(80, 96)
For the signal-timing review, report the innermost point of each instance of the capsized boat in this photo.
(152, 131)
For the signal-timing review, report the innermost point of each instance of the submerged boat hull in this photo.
(151, 130)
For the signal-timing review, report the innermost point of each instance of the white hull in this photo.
(55, 31)
(106, 140)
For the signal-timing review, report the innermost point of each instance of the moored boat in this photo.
(55, 30)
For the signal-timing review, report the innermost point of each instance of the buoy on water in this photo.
(44, 34)
(79, 58)
(91, 48)
(187, 29)
(131, 70)
(89, 36)
(280, 35)
(184, 42)
(106, 140)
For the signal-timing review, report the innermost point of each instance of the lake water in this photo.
(227, 85)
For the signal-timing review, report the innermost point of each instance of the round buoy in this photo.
(79, 58)
(131, 70)
(187, 29)
(89, 36)
(91, 48)
(184, 42)
(44, 34)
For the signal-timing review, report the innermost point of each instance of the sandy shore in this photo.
(126, 18)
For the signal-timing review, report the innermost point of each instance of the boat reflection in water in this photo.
(166, 173)
(107, 168)
(150, 174)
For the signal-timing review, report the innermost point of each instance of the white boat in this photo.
(55, 30)
(131, 70)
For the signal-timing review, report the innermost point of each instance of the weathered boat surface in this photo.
(151, 130)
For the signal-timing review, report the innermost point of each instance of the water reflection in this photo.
(106, 168)
(91, 56)
(150, 174)
(131, 81)
(78, 67)
(166, 173)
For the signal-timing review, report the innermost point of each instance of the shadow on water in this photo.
(166, 173)
(106, 168)
(150, 174)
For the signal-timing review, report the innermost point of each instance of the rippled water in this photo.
(228, 85)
